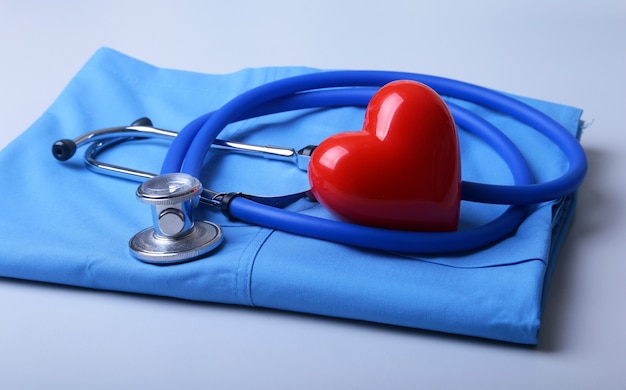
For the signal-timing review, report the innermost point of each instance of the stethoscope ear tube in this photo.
(189, 148)
(375, 238)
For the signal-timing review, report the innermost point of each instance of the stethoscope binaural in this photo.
(175, 237)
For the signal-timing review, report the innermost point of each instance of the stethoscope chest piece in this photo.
(174, 237)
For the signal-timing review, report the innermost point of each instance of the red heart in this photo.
(402, 171)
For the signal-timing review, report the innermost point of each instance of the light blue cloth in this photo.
(64, 224)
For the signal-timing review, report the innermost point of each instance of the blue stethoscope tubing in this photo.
(350, 88)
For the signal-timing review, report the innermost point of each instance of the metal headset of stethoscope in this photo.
(175, 237)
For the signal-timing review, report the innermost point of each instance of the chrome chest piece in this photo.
(174, 236)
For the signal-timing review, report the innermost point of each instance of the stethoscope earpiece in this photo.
(63, 149)
(145, 121)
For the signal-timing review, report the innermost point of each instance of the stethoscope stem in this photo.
(299, 158)
(102, 139)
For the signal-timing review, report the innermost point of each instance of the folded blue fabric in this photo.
(64, 224)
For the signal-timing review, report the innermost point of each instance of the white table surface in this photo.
(571, 52)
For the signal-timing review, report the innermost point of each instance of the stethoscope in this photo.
(175, 237)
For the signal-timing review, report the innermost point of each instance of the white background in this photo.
(567, 51)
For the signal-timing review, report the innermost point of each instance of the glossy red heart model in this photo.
(401, 171)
